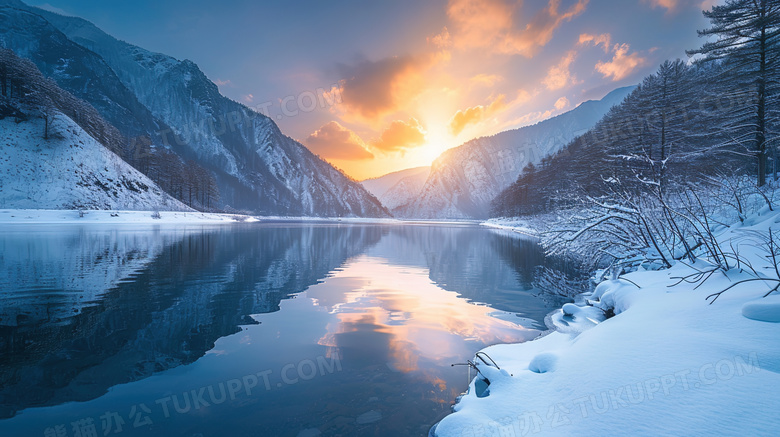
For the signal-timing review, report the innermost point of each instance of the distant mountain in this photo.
(662, 133)
(464, 180)
(172, 102)
(70, 170)
(399, 188)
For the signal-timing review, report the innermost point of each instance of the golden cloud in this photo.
(622, 63)
(489, 24)
(400, 136)
(560, 75)
(672, 6)
(373, 89)
(604, 39)
(667, 4)
(479, 22)
(487, 80)
(561, 103)
(334, 141)
(475, 114)
(442, 40)
(541, 28)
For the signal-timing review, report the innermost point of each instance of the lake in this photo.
(262, 329)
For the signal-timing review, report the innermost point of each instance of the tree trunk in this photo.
(761, 110)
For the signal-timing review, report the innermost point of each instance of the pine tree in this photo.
(747, 32)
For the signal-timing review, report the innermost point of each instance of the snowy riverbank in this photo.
(515, 224)
(668, 362)
(47, 216)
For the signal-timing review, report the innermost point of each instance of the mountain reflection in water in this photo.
(346, 328)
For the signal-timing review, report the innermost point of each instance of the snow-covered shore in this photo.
(668, 363)
(518, 225)
(52, 216)
(46, 216)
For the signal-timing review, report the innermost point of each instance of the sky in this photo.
(376, 87)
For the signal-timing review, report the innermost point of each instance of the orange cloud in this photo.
(475, 114)
(523, 96)
(668, 4)
(560, 75)
(489, 24)
(487, 80)
(334, 141)
(622, 63)
(541, 28)
(372, 89)
(536, 116)
(441, 40)
(479, 22)
(400, 135)
(672, 6)
(561, 103)
(604, 39)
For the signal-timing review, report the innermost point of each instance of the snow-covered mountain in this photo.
(74, 68)
(464, 180)
(69, 170)
(399, 188)
(257, 167)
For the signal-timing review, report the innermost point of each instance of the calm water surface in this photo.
(252, 330)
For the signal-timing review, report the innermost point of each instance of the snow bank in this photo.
(38, 216)
(70, 170)
(43, 216)
(668, 363)
(766, 310)
(512, 224)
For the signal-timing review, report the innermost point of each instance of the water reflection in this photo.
(116, 319)
(405, 317)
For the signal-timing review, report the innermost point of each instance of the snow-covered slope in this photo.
(668, 363)
(69, 170)
(257, 167)
(464, 180)
(405, 191)
(378, 186)
(398, 188)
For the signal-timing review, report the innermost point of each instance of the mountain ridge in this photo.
(465, 179)
(397, 188)
(257, 167)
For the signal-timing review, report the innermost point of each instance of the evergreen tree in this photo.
(747, 33)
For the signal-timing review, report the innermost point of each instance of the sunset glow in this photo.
(420, 319)
(390, 100)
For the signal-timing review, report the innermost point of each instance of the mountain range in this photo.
(465, 179)
(395, 190)
(152, 98)
(172, 104)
